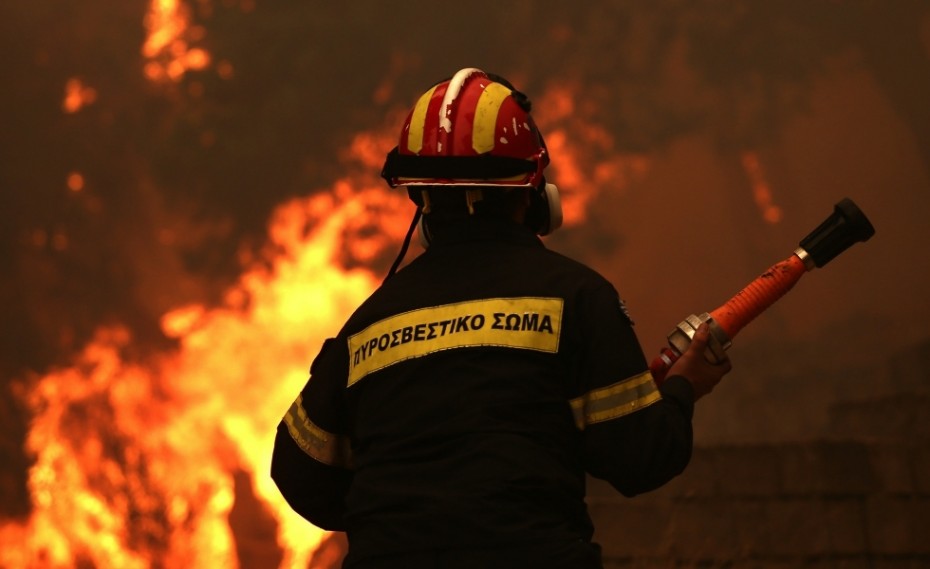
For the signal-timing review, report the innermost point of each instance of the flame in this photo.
(109, 469)
(135, 461)
(167, 46)
(585, 159)
(761, 190)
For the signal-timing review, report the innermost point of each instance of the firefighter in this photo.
(453, 419)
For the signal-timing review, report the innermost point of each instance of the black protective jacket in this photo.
(464, 401)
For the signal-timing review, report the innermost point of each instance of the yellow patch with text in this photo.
(528, 323)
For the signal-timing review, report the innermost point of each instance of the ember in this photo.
(77, 96)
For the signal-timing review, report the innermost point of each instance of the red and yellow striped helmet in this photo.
(474, 129)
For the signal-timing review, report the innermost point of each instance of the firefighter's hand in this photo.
(693, 365)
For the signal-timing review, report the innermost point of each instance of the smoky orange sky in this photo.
(190, 192)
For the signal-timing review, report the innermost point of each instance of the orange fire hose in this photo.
(846, 226)
(758, 295)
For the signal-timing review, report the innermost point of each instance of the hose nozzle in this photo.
(846, 226)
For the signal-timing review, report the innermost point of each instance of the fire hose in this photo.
(846, 226)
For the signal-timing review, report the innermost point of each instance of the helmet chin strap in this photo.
(405, 246)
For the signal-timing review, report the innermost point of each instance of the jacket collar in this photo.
(481, 229)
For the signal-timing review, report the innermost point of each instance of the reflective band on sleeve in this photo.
(320, 445)
(485, 123)
(527, 323)
(418, 122)
(617, 400)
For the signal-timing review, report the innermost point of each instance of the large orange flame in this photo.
(134, 463)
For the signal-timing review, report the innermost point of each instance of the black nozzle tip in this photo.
(846, 226)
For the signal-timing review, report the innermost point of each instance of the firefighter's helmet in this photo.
(474, 129)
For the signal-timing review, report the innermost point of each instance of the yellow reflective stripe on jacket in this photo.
(617, 400)
(320, 445)
(527, 322)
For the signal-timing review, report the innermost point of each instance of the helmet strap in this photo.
(405, 246)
